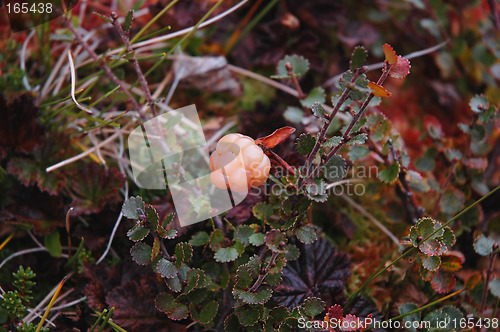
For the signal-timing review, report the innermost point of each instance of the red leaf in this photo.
(336, 312)
(401, 68)
(443, 282)
(275, 138)
(390, 55)
(452, 261)
(378, 90)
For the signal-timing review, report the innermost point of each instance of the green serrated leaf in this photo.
(257, 239)
(306, 234)
(156, 248)
(223, 255)
(137, 233)
(312, 306)
(249, 315)
(263, 211)
(358, 139)
(431, 263)
(317, 191)
(316, 95)
(152, 218)
(243, 234)
(299, 64)
(216, 239)
(448, 237)
(259, 297)
(483, 245)
(183, 253)
(243, 277)
(166, 268)
(358, 57)
(141, 253)
(293, 114)
(318, 110)
(292, 252)
(196, 279)
(174, 284)
(389, 174)
(128, 21)
(130, 206)
(168, 304)
(199, 239)
(208, 312)
(332, 142)
(335, 169)
(305, 144)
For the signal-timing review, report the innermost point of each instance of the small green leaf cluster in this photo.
(15, 302)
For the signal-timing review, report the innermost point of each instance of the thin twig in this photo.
(135, 64)
(68, 230)
(263, 274)
(295, 81)
(184, 31)
(333, 80)
(321, 137)
(105, 68)
(356, 118)
(406, 189)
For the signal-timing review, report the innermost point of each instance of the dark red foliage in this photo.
(131, 289)
(94, 187)
(30, 205)
(19, 127)
(321, 271)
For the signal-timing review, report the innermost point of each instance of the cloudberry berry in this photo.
(242, 162)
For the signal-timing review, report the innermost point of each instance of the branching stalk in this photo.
(264, 273)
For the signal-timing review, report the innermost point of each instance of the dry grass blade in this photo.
(73, 83)
(51, 303)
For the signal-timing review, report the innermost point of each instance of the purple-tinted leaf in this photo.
(320, 271)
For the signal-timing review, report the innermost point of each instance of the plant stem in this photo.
(412, 249)
(295, 81)
(68, 230)
(321, 137)
(357, 117)
(489, 272)
(105, 68)
(406, 190)
(280, 160)
(262, 276)
(135, 64)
